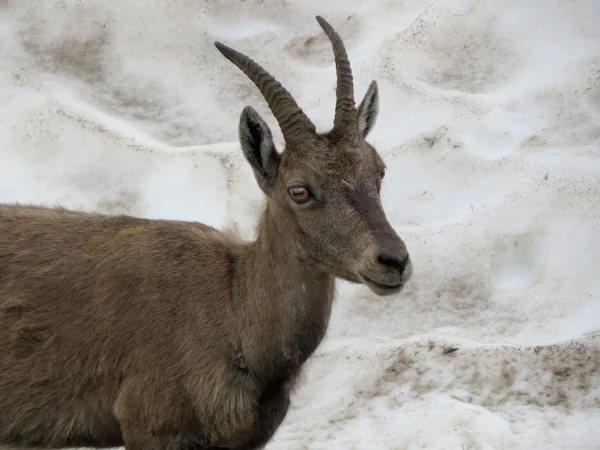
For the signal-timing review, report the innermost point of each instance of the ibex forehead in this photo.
(347, 163)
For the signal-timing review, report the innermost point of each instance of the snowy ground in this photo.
(490, 126)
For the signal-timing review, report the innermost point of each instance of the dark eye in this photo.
(381, 176)
(299, 194)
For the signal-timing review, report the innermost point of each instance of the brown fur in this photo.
(171, 335)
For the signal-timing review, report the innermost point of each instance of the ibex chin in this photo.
(172, 335)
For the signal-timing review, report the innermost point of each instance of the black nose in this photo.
(387, 259)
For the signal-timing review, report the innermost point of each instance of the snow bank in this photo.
(490, 126)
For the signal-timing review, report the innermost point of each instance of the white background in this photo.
(490, 127)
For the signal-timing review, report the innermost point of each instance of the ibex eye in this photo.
(382, 174)
(299, 194)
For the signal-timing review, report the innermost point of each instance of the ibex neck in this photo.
(297, 279)
(292, 300)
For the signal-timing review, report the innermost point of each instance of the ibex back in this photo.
(171, 335)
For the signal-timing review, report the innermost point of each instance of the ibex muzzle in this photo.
(171, 335)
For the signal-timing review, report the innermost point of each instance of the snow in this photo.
(490, 127)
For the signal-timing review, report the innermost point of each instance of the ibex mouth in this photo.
(380, 288)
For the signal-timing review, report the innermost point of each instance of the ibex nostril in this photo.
(387, 259)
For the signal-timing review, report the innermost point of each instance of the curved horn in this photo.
(293, 122)
(345, 109)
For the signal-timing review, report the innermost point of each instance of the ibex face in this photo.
(324, 189)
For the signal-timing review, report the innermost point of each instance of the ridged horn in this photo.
(345, 108)
(293, 122)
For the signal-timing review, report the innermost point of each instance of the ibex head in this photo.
(324, 189)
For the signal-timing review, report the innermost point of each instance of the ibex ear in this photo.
(368, 109)
(258, 147)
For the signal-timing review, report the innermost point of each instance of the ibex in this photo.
(172, 335)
